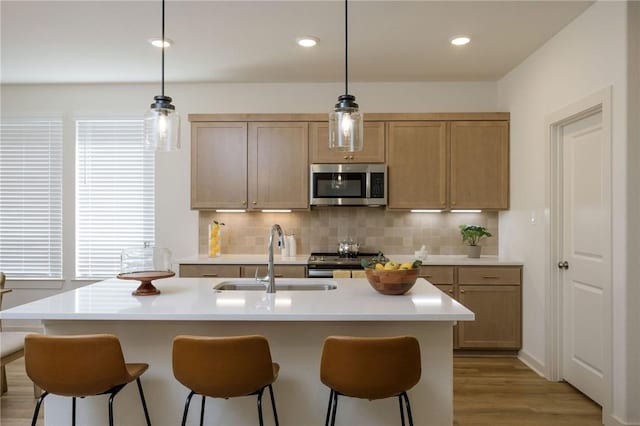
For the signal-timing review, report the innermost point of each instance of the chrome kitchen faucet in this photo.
(270, 277)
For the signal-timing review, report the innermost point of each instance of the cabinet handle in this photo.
(346, 157)
(209, 275)
(462, 291)
(254, 203)
(450, 291)
(244, 202)
(427, 276)
(351, 157)
(490, 277)
(278, 276)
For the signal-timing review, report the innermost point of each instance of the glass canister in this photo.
(145, 259)
(215, 238)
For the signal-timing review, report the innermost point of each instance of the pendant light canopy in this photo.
(345, 122)
(161, 123)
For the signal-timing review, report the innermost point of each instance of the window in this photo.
(114, 194)
(31, 198)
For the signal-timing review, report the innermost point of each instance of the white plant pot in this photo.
(474, 251)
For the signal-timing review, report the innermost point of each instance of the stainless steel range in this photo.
(322, 265)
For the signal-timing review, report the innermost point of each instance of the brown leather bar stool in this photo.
(224, 367)
(370, 368)
(79, 366)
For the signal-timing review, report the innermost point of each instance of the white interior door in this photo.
(586, 242)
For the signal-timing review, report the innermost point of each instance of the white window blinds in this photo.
(31, 198)
(114, 194)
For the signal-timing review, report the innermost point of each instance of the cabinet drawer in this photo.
(437, 274)
(214, 271)
(488, 275)
(281, 271)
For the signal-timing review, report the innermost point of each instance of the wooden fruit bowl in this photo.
(395, 282)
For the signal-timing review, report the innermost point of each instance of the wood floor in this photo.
(487, 391)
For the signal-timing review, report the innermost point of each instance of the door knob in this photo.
(563, 265)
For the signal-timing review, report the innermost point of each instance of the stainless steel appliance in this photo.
(322, 265)
(348, 185)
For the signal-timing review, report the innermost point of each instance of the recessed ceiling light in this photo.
(157, 42)
(307, 41)
(460, 40)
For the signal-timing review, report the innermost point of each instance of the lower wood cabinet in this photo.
(493, 293)
(240, 271)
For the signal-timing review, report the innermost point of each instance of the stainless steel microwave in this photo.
(348, 185)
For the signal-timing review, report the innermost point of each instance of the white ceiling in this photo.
(254, 41)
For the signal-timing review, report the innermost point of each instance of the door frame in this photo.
(597, 102)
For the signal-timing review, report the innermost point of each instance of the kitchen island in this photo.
(295, 322)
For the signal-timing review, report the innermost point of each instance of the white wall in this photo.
(588, 55)
(176, 225)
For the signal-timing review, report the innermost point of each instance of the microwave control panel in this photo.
(377, 185)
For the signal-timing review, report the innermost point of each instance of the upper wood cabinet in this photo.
(417, 157)
(278, 165)
(218, 165)
(239, 165)
(373, 151)
(479, 165)
(448, 165)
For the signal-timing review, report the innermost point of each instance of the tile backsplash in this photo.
(321, 229)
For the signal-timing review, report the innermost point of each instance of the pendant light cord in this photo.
(346, 49)
(163, 47)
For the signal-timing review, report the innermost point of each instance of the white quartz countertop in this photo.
(194, 299)
(435, 260)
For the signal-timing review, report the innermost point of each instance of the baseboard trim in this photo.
(532, 362)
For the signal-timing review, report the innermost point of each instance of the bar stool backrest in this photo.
(370, 367)
(75, 365)
(222, 367)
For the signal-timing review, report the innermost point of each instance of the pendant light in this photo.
(161, 123)
(345, 122)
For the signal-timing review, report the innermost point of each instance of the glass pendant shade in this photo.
(346, 126)
(162, 126)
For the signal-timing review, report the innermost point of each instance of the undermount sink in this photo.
(282, 284)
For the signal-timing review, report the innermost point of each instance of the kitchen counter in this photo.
(193, 299)
(435, 260)
(295, 323)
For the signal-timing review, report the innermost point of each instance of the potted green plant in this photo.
(471, 235)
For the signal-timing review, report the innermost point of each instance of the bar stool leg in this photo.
(260, 406)
(144, 403)
(273, 406)
(73, 411)
(406, 400)
(204, 398)
(37, 410)
(335, 407)
(186, 408)
(326, 421)
(401, 409)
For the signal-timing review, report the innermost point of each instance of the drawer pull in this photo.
(428, 276)
(490, 277)
(209, 275)
(462, 291)
(278, 276)
(450, 291)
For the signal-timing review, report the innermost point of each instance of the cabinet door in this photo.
(215, 271)
(498, 317)
(218, 165)
(281, 271)
(373, 151)
(480, 164)
(278, 165)
(417, 156)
